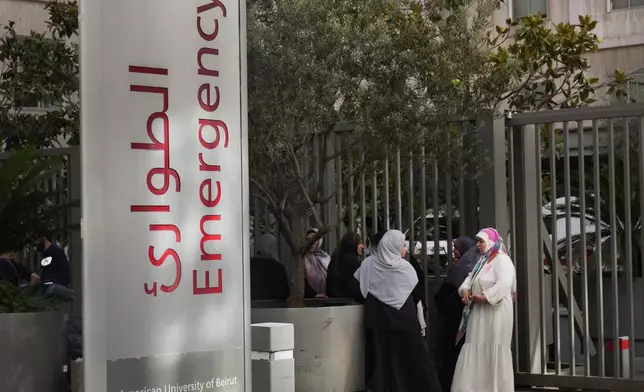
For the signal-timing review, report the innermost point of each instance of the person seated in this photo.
(268, 277)
(14, 272)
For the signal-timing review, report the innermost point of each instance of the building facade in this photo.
(620, 25)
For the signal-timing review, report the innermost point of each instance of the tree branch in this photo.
(342, 151)
(305, 192)
(270, 198)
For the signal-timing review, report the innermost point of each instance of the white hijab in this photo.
(386, 275)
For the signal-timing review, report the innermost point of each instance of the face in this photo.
(41, 244)
(360, 248)
(455, 252)
(481, 245)
(403, 253)
(309, 237)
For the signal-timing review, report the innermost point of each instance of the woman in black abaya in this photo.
(397, 356)
(450, 307)
(345, 261)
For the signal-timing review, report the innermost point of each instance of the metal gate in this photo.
(575, 183)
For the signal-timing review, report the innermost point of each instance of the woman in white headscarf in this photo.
(485, 362)
(397, 358)
(316, 263)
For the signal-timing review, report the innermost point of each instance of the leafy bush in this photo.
(26, 206)
(14, 300)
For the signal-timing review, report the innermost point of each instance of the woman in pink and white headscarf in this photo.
(316, 263)
(485, 362)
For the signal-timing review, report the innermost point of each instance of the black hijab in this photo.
(469, 255)
(345, 261)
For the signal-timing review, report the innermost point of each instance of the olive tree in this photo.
(398, 72)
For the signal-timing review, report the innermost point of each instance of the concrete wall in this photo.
(28, 15)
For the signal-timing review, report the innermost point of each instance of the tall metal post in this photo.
(76, 252)
(528, 266)
(492, 183)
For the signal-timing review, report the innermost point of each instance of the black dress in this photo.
(340, 282)
(268, 280)
(397, 358)
(450, 307)
(419, 290)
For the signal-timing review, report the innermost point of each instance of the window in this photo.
(32, 100)
(624, 4)
(635, 92)
(522, 8)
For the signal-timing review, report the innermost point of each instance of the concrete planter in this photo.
(329, 345)
(33, 352)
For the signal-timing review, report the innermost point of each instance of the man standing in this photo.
(57, 271)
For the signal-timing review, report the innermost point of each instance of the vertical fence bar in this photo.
(374, 201)
(363, 200)
(599, 290)
(330, 186)
(449, 216)
(317, 162)
(613, 243)
(423, 224)
(436, 231)
(338, 191)
(628, 260)
(513, 231)
(641, 183)
(581, 148)
(257, 226)
(462, 230)
(267, 219)
(398, 192)
(513, 196)
(386, 200)
(569, 256)
(555, 250)
(539, 223)
(351, 191)
(410, 198)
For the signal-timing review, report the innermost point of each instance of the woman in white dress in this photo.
(485, 362)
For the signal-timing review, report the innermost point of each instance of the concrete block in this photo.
(274, 376)
(272, 337)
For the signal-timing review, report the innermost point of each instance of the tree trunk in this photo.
(297, 293)
(297, 231)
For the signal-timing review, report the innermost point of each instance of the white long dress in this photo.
(485, 362)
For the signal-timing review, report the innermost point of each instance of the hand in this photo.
(465, 297)
(479, 299)
(422, 332)
(34, 280)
